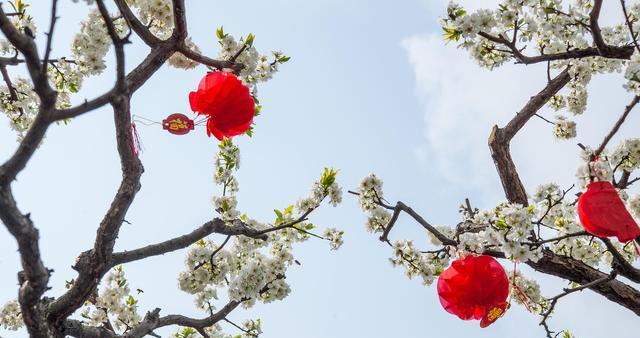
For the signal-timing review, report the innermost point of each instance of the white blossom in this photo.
(564, 129)
(335, 237)
(10, 316)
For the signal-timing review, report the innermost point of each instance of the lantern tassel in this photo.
(518, 291)
(635, 245)
(136, 146)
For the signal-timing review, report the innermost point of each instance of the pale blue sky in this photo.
(370, 88)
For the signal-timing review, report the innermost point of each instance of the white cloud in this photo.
(462, 102)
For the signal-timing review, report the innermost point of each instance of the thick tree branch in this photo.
(181, 320)
(10, 169)
(578, 272)
(621, 265)
(35, 276)
(118, 43)
(85, 107)
(602, 47)
(500, 138)
(95, 263)
(76, 328)
(132, 21)
(179, 20)
(612, 52)
(217, 226)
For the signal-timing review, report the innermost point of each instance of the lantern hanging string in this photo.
(201, 121)
(143, 120)
(149, 122)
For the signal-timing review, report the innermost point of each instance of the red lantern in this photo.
(474, 287)
(603, 214)
(177, 124)
(226, 102)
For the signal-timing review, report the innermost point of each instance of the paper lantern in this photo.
(177, 124)
(603, 214)
(226, 102)
(474, 287)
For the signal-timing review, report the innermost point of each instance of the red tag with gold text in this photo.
(177, 124)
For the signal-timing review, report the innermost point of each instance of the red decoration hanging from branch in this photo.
(177, 124)
(226, 102)
(603, 214)
(474, 287)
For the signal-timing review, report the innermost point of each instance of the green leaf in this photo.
(131, 301)
(249, 131)
(328, 177)
(73, 87)
(501, 224)
(451, 34)
(280, 218)
(288, 210)
(220, 33)
(249, 40)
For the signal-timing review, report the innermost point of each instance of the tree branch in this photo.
(132, 21)
(613, 52)
(118, 43)
(179, 20)
(554, 300)
(217, 226)
(622, 266)
(95, 263)
(54, 18)
(34, 278)
(602, 47)
(10, 169)
(500, 139)
(618, 124)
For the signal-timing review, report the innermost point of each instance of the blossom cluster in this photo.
(21, 109)
(256, 67)
(418, 264)
(90, 46)
(10, 316)
(563, 128)
(593, 168)
(251, 268)
(115, 304)
(626, 156)
(155, 14)
(369, 195)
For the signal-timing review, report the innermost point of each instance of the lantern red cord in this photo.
(603, 214)
(226, 102)
(475, 287)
